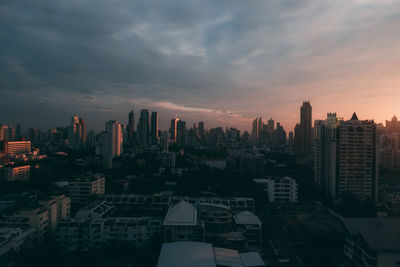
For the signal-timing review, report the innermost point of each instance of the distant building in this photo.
(111, 142)
(251, 164)
(280, 189)
(143, 129)
(154, 128)
(7, 133)
(305, 129)
(59, 208)
(16, 239)
(130, 129)
(16, 148)
(83, 188)
(77, 133)
(174, 129)
(181, 133)
(16, 173)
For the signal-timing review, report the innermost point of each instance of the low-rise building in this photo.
(77, 234)
(83, 188)
(372, 242)
(280, 189)
(198, 254)
(251, 164)
(15, 239)
(181, 223)
(251, 226)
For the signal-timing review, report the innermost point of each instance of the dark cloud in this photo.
(211, 59)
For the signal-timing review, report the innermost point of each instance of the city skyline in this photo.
(225, 65)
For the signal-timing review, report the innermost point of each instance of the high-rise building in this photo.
(181, 133)
(7, 133)
(144, 128)
(173, 129)
(257, 129)
(346, 157)
(111, 142)
(130, 129)
(154, 128)
(279, 135)
(18, 132)
(77, 133)
(305, 129)
(326, 154)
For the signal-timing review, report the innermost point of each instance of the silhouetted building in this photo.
(346, 157)
(77, 133)
(111, 142)
(154, 128)
(305, 129)
(173, 130)
(144, 128)
(181, 133)
(130, 129)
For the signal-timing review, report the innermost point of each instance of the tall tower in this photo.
(112, 142)
(173, 129)
(358, 168)
(143, 128)
(77, 133)
(154, 128)
(305, 129)
(181, 133)
(131, 128)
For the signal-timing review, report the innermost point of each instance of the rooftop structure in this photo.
(182, 213)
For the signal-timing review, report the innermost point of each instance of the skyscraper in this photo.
(181, 133)
(143, 128)
(326, 154)
(345, 157)
(77, 133)
(173, 129)
(112, 140)
(258, 126)
(130, 128)
(305, 129)
(154, 128)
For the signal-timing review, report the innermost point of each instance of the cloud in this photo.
(199, 58)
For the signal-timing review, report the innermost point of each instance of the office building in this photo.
(77, 133)
(181, 133)
(154, 128)
(143, 128)
(7, 133)
(16, 148)
(111, 142)
(346, 158)
(174, 129)
(130, 128)
(284, 190)
(83, 188)
(16, 173)
(305, 138)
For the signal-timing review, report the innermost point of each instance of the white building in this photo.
(181, 223)
(83, 188)
(59, 208)
(280, 189)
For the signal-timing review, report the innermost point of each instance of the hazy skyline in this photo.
(222, 62)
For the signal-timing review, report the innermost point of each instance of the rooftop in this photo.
(184, 254)
(381, 234)
(182, 213)
(246, 217)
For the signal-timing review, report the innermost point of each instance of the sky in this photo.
(224, 62)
